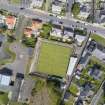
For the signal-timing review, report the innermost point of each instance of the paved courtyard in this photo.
(22, 55)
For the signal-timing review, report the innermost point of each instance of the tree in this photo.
(30, 42)
(75, 9)
(46, 30)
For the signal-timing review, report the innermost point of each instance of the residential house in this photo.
(56, 31)
(37, 3)
(79, 102)
(83, 1)
(95, 72)
(34, 29)
(64, 1)
(2, 19)
(102, 4)
(85, 9)
(5, 79)
(10, 22)
(80, 39)
(86, 91)
(28, 32)
(99, 54)
(102, 17)
(57, 7)
(65, 33)
(68, 33)
(91, 46)
(14, 86)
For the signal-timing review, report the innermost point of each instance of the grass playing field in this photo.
(53, 59)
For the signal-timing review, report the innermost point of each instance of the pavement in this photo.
(46, 17)
(97, 96)
(22, 56)
(33, 66)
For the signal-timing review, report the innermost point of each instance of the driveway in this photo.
(22, 56)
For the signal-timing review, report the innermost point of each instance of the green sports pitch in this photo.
(53, 59)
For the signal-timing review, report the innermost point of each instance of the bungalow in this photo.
(10, 22)
(37, 3)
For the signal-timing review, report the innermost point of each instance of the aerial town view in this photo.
(52, 52)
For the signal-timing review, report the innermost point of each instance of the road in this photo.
(97, 96)
(44, 16)
(21, 24)
(69, 6)
(70, 78)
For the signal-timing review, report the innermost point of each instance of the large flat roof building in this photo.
(71, 66)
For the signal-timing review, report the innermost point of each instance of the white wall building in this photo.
(71, 66)
(80, 39)
(37, 3)
(2, 19)
(83, 15)
(56, 9)
(56, 32)
(83, 1)
(64, 1)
